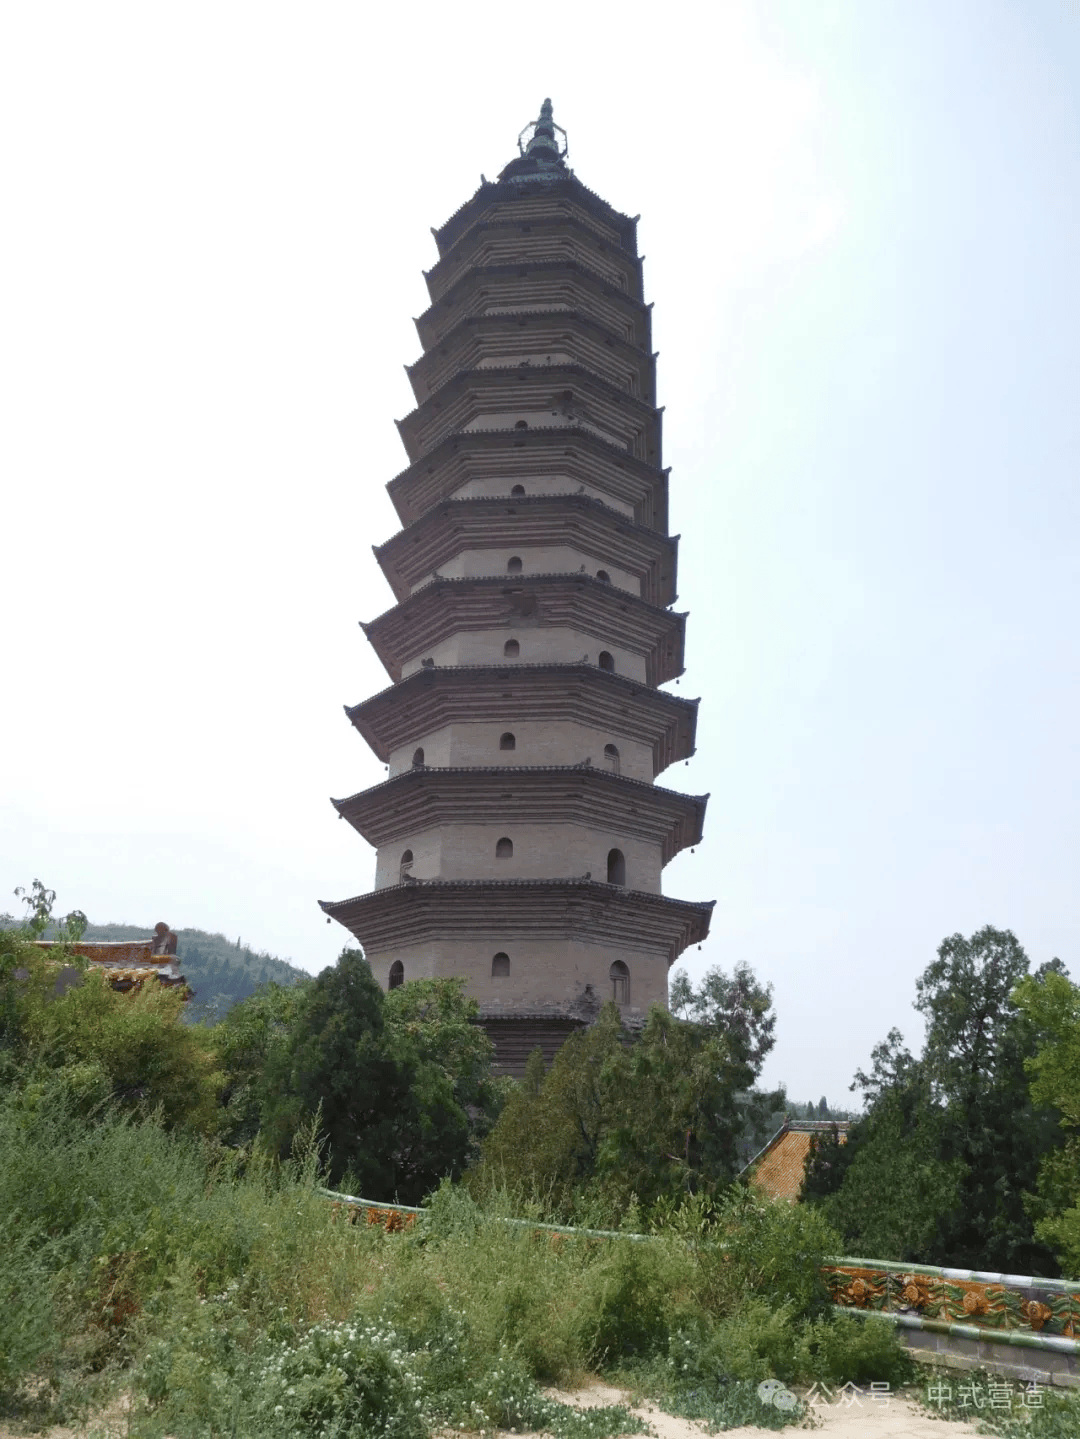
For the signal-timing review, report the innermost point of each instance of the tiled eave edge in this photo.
(424, 796)
(418, 475)
(401, 713)
(492, 522)
(492, 192)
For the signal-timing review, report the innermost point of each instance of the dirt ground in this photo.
(866, 1419)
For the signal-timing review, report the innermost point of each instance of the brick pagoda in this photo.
(520, 833)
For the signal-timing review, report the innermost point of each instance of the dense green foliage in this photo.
(400, 1082)
(64, 1030)
(230, 1303)
(163, 1229)
(616, 1122)
(1051, 1004)
(938, 1169)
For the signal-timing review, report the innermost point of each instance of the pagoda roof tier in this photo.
(447, 607)
(531, 456)
(518, 397)
(506, 241)
(477, 694)
(585, 525)
(539, 338)
(537, 285)
(529, 909)
(536, 201)
(582, 794)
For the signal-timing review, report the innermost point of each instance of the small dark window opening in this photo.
(521, 425)
(500, 966)
(605, 661)
(518, 490)
(507, 741)
(616, 867)
(397, 975)
(418, 759)
(504, 849)
(511, 649)
(405, 866)
(603, 576)
(611, 754)
(619, 975)
(428, 664)
(513, 565)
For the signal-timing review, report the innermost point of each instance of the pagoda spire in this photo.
(541, 153)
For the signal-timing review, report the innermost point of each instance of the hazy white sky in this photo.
(861, 229)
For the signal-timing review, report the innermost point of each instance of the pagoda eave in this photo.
(556, 909)
(621, 227)
(501, 524)
(469, 456)
(446, 608)
(473, 294)
(474, 399)
(428, 699)
(583, 794)
(488, 241)
(481, 334)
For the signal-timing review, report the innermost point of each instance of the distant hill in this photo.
(218, 971)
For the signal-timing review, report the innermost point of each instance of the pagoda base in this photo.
(516, 1038)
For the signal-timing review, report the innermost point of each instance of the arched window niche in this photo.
(507, 741)
(513, 565)
(606, 661)
(511, 649)
(518, 490)
(611, 757)
(418, 758)
(405, 864)
(504, 849)
(500, 966)
(619, 974)
(397, 975)
(603, 576)
(616, 867)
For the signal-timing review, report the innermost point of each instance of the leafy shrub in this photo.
(842, 1349)
(626, 1306)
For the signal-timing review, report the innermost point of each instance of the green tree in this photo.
(938, 1167)
(1052, 1005)
(251, 1032)
(62, 1025)
(655, 1115)
(401, 1083)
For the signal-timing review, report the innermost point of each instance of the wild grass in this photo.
(228, 1298)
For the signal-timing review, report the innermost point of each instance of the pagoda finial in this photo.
(542, 142)
(542, 151)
